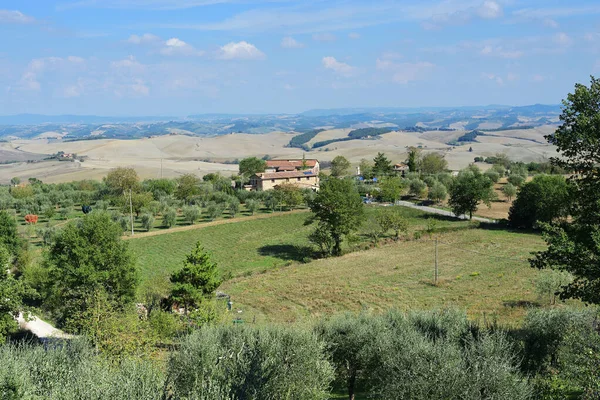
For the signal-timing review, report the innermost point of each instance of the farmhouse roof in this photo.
(286, 175)
(295, 163)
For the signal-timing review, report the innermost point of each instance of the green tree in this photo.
(339, 166)
(191, 214)
(493, 175)
(89, 257)
(252, 165)
(509, 191)
(252, 205)
(574, 246)
(339, 208)
(391, 218)
(160, 187)
(437, 193)
(417, 188)
(391, 189)
(382, 165)
(139, 201)
(469, 189)
(12, 294)
(414, 159)
(121, 180)
(147, 221)
(233, 205)
(214, 210)
(290, 195)
(433, 163)
(9, 235)
(366, 169)
(196, 281)
(543, 199)
(188, 186)
(170, 217)
(516, 179)
(15, 181)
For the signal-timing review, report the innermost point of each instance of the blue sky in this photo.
(179, 57)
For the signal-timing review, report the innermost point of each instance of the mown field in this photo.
(271, 275)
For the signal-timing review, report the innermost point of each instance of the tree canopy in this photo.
(469, 189)
(252, 165)
(339, 209)
(433, 163)
(121, 180)
(339, 166)
(188, 186)
(88, 257)
(575, 246)
(197, 279)
(382, 165)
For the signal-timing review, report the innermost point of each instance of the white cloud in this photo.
(511, 77)
(550, 23)
(127, 63)
(538, 78)
(287, 86)
(354, 35)
(74, 90)
(289, 42)
(37, 68)
(75, 59)
(493, 77)
(562, 39)
(240, 51)
(490, 10)
(404, 73)
(324, 37)
(15, 17)
(142, 4)
(338, 67)
(169, 47)
(499, 51)
(146, 38)
(487, 10)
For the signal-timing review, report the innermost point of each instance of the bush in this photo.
(147, 221)
(191, 213)
(549, 282)
(170, 217)
(252, 205)
(243, 362)
(417, 188)
(516, 180)
(437, 193)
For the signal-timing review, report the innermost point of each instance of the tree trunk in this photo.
(351, 385)
(337, 247)
(470, 215)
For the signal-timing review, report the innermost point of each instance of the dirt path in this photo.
(41, 329)
(432, 210)
(207, 224)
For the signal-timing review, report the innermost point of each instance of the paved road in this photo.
(433, 210)
(43, 330)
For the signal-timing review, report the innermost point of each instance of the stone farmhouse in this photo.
(302, 173)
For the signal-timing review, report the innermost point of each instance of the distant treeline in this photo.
(470, 137)
(299, 141)
(356, 134)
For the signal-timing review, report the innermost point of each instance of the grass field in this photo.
(272, 276)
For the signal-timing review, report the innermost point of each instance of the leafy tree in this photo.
(15, 181)
(271, 201)
(191, 213)
(366, 169)
(493, 175)
(437, 193)
(252, 165)
(392, 219)
(64, 213)
(574, 246)
(339, 166)
(543, 199)
(391, 189)
(12, 294)
(252, 205)
(188, 186)
(233, 205)
(160, 187)
(170, 217)
(549, 282)
(516, 179)
(290, 195)
(339, 208)
(139, 202)
(9, 235)
(147, 221)
(89, 257)
(414, 159)
(121, 180)
(509, 191)
(469, 189)
(433, 163)
(382, 165)
(214, 210)
(372, 229)
(321, 237)
(417, 188)
(198, 279)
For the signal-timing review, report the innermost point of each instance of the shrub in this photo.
(147, 221)
(191, 213)
(170, 217)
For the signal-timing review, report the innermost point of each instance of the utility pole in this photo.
(435, 276)
(131, 210)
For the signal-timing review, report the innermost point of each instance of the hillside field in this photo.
(273, 278)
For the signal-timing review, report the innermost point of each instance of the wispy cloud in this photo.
(15, 17)
(404, 73)
(144, 4)
(340, 68)
(170, 47)
(324, 37)
(354, 35)
(240, 51)
(289, 42)
(487, 10)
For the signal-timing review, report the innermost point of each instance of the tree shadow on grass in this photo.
(521, 304)
(288, 252)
